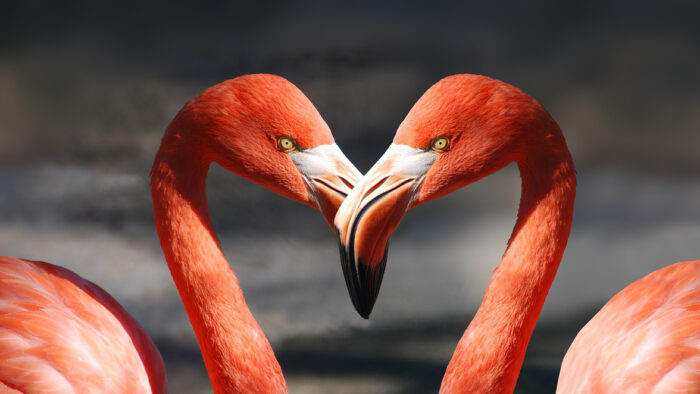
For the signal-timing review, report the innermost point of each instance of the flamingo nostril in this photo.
(376, 186)
(347, 183)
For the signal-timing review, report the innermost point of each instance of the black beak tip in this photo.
(364, 313)
(363, 280)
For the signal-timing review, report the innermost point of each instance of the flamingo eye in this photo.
(286, 144)
(440, 144)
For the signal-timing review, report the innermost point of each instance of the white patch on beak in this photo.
(324, 160)
(404, 160)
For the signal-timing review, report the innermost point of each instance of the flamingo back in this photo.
(61, 333)
(646, 339)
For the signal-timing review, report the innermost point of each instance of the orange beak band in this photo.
(329, 177)
(330, 191)
(368, 216)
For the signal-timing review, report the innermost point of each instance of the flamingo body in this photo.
(645, 339)
(61, 333)
(466, 127)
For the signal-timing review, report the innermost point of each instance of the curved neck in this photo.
(237, 355)
(490, 354)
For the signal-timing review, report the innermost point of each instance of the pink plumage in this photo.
(62, 333)
(645, 339)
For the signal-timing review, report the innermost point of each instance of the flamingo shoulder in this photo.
(62, 333)
(645, 339)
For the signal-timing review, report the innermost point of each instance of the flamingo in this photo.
(61, 333)
(465, 127)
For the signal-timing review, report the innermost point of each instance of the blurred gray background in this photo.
(87, 89)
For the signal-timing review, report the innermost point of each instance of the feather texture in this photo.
(61, 333)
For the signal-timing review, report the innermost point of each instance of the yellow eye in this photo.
(286, 144)
(440, 144)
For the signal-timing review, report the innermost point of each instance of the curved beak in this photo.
(329, 177)
(370, 213)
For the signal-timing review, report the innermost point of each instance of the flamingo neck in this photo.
(490, 354)
(238, 357)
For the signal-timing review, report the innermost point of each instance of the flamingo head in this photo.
(266, 130)
(463, 128)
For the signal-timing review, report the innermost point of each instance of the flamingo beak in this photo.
(329, 177)
(370, 213)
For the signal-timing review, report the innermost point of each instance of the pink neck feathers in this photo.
(490, 354)
(237, 355)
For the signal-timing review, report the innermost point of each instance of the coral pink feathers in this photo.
(61, 333)
(646, 339)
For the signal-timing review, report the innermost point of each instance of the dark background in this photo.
(87, 89)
